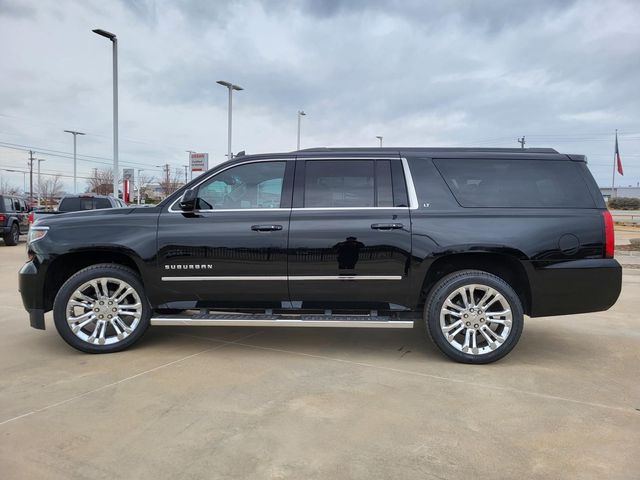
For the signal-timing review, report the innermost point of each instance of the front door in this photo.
(350, 234)
(232, 250)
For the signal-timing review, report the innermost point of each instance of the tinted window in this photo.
(400, 197)
(101, 203)
(384, 190)
(341, 183)
(515, 183)
(254, 185)
(75, 204)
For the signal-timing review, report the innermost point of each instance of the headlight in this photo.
(36, 233)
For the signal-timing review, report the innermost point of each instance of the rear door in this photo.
(350, 233)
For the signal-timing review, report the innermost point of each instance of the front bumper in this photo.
(31, 286)
(578, 286)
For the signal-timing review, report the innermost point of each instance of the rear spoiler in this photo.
(577, 158)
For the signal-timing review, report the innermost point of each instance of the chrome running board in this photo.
(289, 320)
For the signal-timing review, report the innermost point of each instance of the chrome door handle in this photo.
(387, 226)
(266, 228)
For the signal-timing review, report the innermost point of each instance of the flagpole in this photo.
(613, 176)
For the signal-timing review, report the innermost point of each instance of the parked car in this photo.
(13, 218)
(461, 242)
(77, 203)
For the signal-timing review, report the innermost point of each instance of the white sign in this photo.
(199, 162)
(128, 173)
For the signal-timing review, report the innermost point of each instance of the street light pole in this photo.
(75, 161)
(114, 41)
(139, 184)
(379, 137)
(231, 87)
(40, 160)
(190, 166)
(300, 115)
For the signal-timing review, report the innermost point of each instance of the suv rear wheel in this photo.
(12, 237)
(101, 309)
(473, 316)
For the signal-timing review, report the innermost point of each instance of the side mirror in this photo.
(188, 200)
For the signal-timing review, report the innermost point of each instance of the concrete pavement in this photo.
(320, 404)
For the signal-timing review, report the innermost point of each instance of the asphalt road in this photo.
(320, 404)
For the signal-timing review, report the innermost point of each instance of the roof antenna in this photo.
(521, 141)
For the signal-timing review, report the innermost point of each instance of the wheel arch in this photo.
(64, 266)
(507, 267)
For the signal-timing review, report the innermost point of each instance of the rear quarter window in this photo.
(515, 183)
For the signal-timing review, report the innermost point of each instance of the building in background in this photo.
(627, 192)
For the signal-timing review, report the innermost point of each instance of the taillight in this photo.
(609, 237)
(2, 217)
(31, 216)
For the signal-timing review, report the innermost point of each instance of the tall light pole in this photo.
(231, 87)
(379, 137)
(75, 160)
(190, 166)
(40, 160)
(300, 115)
(114, 41)
(139, 183)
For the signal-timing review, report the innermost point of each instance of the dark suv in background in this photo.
(461, 242)
(14, 213)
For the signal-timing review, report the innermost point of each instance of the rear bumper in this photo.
(578, 286)
(31, 288)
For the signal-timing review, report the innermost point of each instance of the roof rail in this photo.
(430, 149)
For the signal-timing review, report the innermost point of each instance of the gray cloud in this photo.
(564, 73)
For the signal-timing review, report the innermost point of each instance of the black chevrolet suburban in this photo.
(462, 243)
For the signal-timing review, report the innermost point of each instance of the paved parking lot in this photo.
(314, 403)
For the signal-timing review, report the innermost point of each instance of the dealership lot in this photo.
(316, 403)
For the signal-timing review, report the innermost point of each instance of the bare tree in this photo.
(51, 190)
(171, 181)
(143, 182)
(101, 182)
(7, 188)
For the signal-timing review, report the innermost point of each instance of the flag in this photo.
(617, 157)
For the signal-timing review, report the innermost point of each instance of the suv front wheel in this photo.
(473, 316)
(102, 309)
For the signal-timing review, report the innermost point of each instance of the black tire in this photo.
(111, 270)
(13, 236)
(446, 287)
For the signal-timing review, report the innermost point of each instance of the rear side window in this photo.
(8, 204)
(341, 183)
(515, 183)
(102, 203)
(353, 184)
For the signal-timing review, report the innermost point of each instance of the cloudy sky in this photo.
(565, 74)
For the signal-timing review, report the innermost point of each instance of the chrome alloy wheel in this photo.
(476, 319)
(104, 311)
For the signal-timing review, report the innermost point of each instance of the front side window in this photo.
(253, 185)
